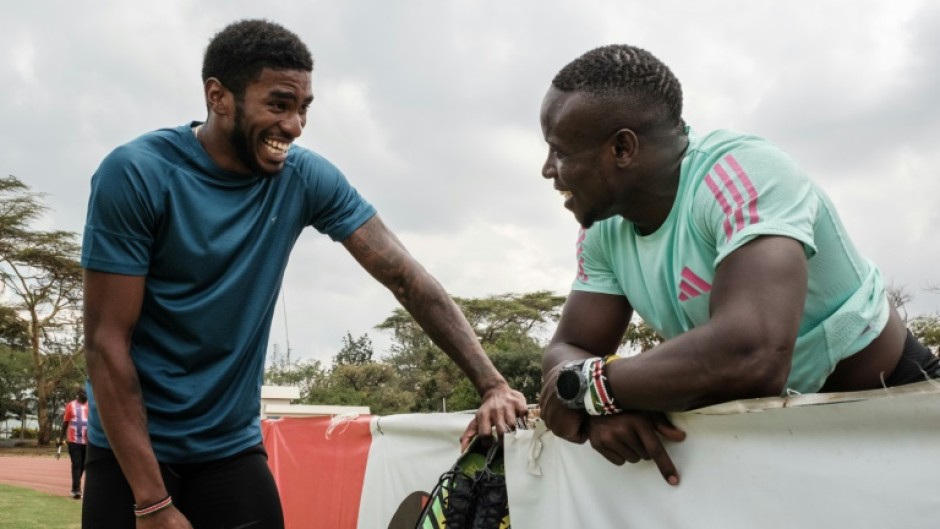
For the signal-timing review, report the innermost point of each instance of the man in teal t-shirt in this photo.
(187, 237)
(721, 243)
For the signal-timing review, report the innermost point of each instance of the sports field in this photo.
(34, 491)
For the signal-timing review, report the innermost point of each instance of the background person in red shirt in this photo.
(75, 427)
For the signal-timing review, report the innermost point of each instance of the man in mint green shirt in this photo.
(721, 243)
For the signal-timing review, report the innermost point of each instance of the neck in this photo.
(664, 169)
(217, 146)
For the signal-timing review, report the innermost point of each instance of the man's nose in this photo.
(294, 125)
(548, 168)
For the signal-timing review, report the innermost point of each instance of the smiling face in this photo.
(580, 160)
(267, 118)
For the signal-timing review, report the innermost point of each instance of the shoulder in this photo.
(316, 174)
(163, 147)
(727, 169)
(739, 155)
(743, 186)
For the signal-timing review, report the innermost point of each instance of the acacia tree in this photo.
(41, 280)
(355, 351)
(422, 369)
(512, 330)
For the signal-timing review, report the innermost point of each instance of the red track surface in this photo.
(45, 474)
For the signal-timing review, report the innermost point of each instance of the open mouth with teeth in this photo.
(276, 147)
(565, 194)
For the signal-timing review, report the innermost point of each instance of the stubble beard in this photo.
(239, 137)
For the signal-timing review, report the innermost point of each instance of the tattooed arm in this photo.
(380, 252)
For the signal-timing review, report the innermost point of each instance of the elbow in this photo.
(94, 360)
(764, 372)
(104, 353)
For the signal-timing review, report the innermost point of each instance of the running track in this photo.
(45, 474)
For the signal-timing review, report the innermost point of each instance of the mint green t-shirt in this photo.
(733, 188)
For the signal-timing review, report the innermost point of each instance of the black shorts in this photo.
(237, 491)
(917, 364)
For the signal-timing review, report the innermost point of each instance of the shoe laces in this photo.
(492, 501)
(458, 506)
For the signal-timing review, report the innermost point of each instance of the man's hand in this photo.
(168, 518)
(501, 409)
(632, 436)
(563, 421)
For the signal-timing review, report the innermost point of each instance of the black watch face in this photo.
(569, 385)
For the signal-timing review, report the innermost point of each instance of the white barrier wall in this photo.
(851, 460)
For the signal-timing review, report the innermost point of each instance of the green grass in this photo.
(27, 509)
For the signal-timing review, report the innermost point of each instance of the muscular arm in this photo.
(743, 351)
(112, 306)
(380, 253)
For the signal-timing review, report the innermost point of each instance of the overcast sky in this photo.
(431, 109)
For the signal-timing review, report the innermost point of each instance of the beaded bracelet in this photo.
(143, 512)
(599, 399)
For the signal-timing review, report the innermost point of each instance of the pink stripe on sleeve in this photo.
(735, 194)
(748, 186)
(723, 202)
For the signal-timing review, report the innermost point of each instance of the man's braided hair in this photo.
(237, 54)
(621, 70)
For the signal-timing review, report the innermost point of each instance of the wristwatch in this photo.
(571, 385)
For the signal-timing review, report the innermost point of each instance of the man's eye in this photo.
(279, 106)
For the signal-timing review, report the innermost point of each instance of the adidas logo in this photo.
(691, 285)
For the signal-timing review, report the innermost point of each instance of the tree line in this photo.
(42, 356)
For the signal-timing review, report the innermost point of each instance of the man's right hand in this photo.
(169, 518)
(634, 435)
(563, 421)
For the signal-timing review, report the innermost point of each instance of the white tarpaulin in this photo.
(851, 460)
(408, 455)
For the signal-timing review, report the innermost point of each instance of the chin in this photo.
(586, 221)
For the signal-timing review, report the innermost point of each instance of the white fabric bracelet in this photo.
(587, 372)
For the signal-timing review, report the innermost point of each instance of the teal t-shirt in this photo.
(732, 189)
(213, 246)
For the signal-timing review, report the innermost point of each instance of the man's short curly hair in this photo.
(237, 54)
(621, 70)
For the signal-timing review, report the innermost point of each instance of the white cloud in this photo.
(431, 109)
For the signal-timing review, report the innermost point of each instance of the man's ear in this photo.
(219, 100)
(626, 147)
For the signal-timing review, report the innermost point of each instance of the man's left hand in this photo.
(630, 436)
(501, 409)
